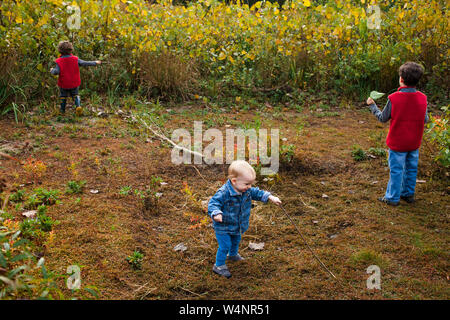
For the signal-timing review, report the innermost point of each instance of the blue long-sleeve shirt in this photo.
(55, 71)
(385, 115)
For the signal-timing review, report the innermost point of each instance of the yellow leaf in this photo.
(307, 3)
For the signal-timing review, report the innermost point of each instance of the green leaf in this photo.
(17, 270)
(44, 272)
(3, 261)
(19, 257)
(8, 282)
(376, 95)
(15, 235)
(20, 242)
(92, 291)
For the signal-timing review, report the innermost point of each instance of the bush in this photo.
(358, 154)
(35, 228)
(22, 276)
(437, 131)
(75, 187)
(41, 196)
(135, 260)
(163, 48)
(166, 74)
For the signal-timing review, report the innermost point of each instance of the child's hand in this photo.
(370, 101)
(217, 218)
(275, 200)
(98, 62)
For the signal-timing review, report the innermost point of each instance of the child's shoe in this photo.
(235, 258)
(222, 271)
(384, 200)
(409, 199)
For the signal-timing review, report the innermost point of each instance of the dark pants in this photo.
(64, 93)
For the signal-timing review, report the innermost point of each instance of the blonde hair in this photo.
(238, 168)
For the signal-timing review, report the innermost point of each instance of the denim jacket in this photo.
(234, 207)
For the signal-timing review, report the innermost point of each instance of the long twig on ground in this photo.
(315, 256)
(199, 173)
(163, 137)
(194, 293)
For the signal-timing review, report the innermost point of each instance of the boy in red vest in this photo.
(407, 110)
(67, 66)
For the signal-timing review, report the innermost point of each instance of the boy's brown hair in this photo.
(65, 47)
(411, 73)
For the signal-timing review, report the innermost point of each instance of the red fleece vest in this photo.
(69, 72)
(407, 120)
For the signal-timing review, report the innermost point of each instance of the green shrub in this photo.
(437, 131)
(17, 196)
(358, 154)
(41, 196)
(135, 260)
(379, 152)
(75, 187)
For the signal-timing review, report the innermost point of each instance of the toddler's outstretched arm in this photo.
(259, 195)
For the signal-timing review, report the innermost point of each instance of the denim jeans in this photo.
(402, 176)
(228, 244)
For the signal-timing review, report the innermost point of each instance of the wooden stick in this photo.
(163, 137)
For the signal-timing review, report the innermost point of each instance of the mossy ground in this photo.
(98, 231)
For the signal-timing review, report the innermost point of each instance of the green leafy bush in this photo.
(75, 187)
(41, 196)
(437, 131)
(358, 154)
(135, 260)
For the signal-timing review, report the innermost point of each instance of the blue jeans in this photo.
(228, 245)
(402, 176)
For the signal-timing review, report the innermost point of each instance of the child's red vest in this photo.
(69, 72)
(408, 111)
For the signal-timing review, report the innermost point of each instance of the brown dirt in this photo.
(99, 231)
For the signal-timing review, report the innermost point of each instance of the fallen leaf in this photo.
(30, 214)
(180, 247)
(256, 246)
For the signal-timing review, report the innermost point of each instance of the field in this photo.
(96, 196)
(329, 195)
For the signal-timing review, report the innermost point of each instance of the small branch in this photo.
(7, 156)
(199, 173)
(163, 137)
(194, 293)
(5, 203)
